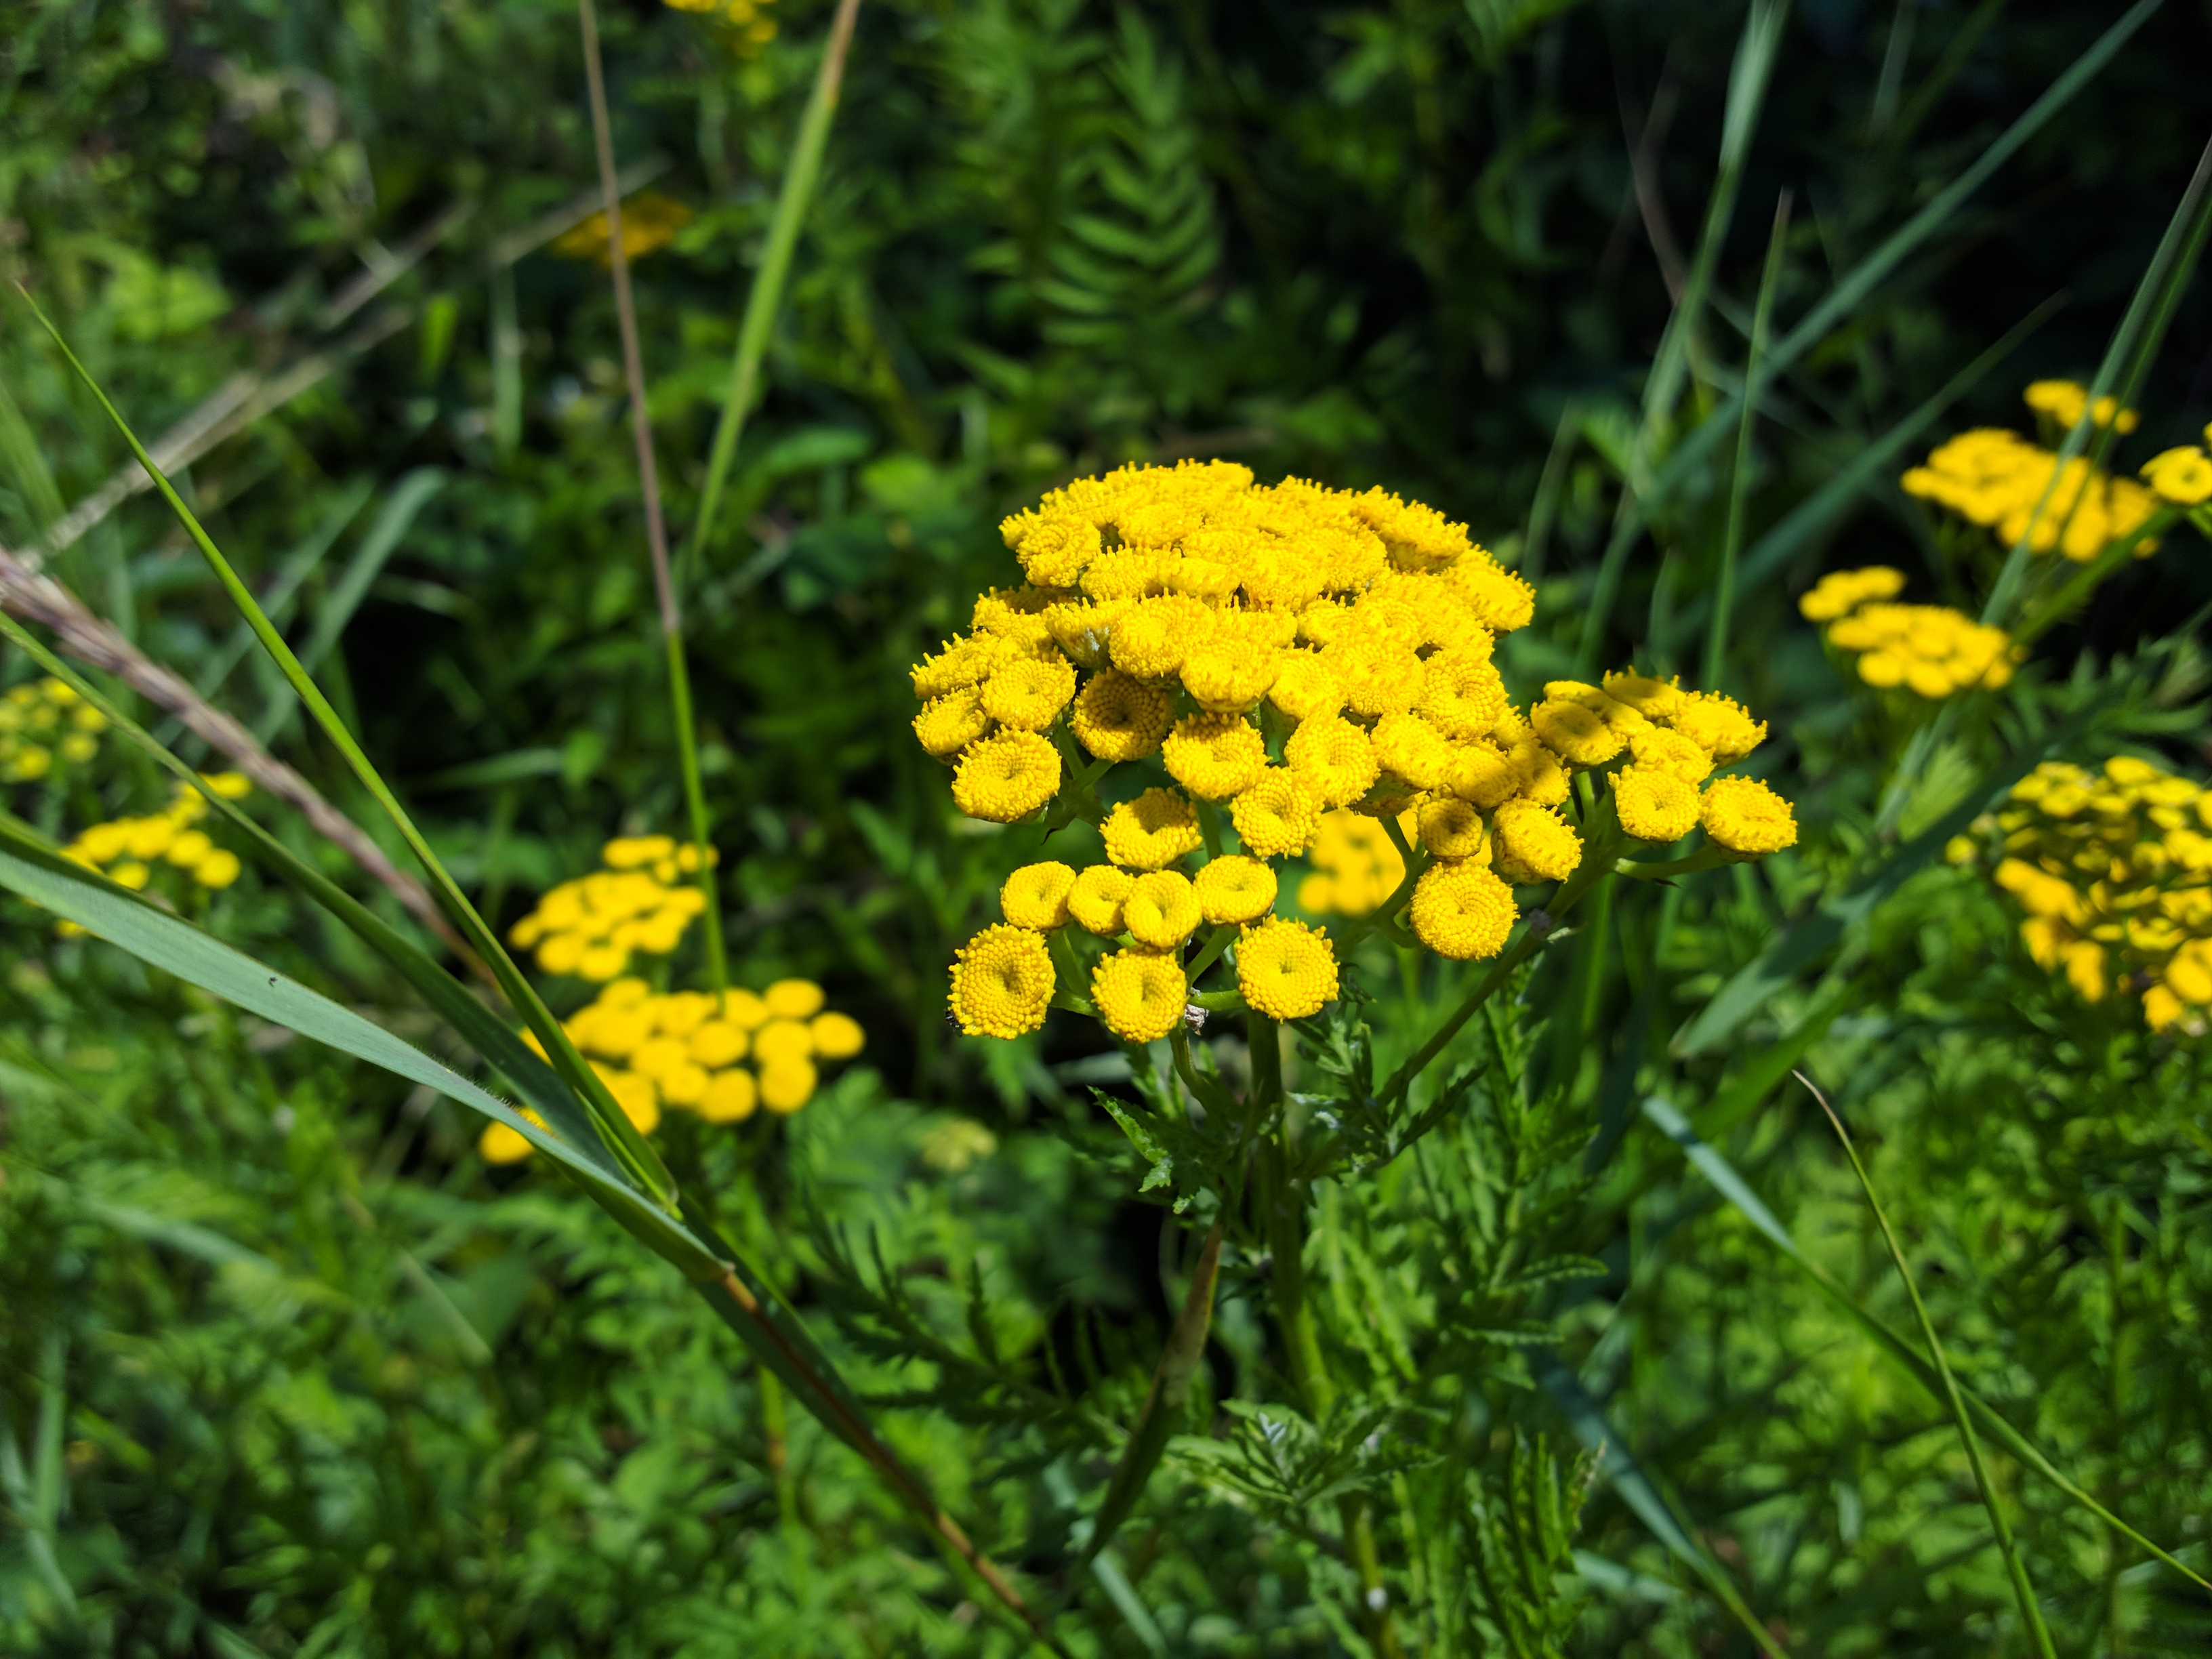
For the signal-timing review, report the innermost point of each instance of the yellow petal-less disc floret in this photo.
(1028, 695)
(1235, 889)
(1285, 970)
(1335, 757)
(1006, 776)
(732, 1097)
(836, 1037)
(1744, 816)
(1002, 982)
(1277, 816)
(1533, 843)
(790, 999)
(2183, 477)
(1719, 725)
(1575, 733)
(1214, 755)
(1161, 910)
(1140, 994)
(787, 1085)
(1118, 717)
(1096, 899)
(1661, 749)
(1036, 895)
(1462, 909)
(1453, 828)
(949, 724)
(1157, 829)
(1656, 803)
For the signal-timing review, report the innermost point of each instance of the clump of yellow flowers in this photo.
(639, 903)
(1356, 865)
(126, 850)
(1930, 650)
(43, 725)
(2114, 870)
(1999, 479)
(1258, 656)
(682, 1051)
(649, 222)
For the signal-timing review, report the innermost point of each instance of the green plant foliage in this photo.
(1523, 1307)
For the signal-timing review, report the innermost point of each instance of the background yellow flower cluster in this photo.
(2001, 480)
(2114, 870)
(682, 1051)
(128, 849)
(639, 904)
(1930, 650)
(43, 724)
(1280, 654)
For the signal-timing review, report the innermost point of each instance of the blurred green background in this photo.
(285, 1370)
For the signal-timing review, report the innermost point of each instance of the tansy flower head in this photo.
(1306, 687)
(1002, 982)
(787, 1085)
(1096, 898)
(1235, 889)
(1664, 749)
(1655, 803)
(1161, 909)
(1028, 695)
(1575, 731)
(1119, 718)
(1157, 829)
(1461, 909)
(949, 724)
(1214, 755)
(1277, 816)
(1655, 700)
(1533, 843)
(1719, 725)
(1485, 776)
(1744, 816)
(1334, 757)
(1452, 829)
(1461, 693)
(2183, 477)
(1036, 895)
(1842, 591)
(1930, 650)
(1140, 994)
(1006, 776)
(500, 1145)
(1285, 969)
(1356, 868)
(1411, 750)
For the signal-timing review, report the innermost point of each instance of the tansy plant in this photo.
(1211, 674)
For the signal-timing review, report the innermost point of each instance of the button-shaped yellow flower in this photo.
(1533, 843)
(1744, 816)
(1277, 817)
(1006, 776)
(1118, 717)
(1656, 803)
(1335, 757)
(1002, 982)
(1462, 909)
(1096, 899)
(1235, 889)
(1161, 910)
(1036, 895)
(1214, 755)
(1285, 970)
(1157, 829)
(2183, 477)
(1140, 994)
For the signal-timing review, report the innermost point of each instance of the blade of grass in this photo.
(630, 1148)
(1812, 515)
(2127, 360)
(656, 530)
(1733, 1187)
(2015, 1569)
(1752, 71)
(767, 296)
(1740, 477)
(1842, 302)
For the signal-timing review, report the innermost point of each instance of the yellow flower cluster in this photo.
(126, 849)
(649, 222)
(2183, 476)
(43, 724)
(680, 1052)
(1356, 866)
(1930, 649)
(1997, 479)
(642, 901)
(1275, 654)
(753, 29)
(2114, 870)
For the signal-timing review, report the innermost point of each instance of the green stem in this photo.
(1740, 479)
(1595, 866)
(656, 528)
(767, 295)
(2015, 1569)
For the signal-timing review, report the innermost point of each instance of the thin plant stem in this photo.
(1716, 635)
(2015, 1569)
(767, 295)
(656, 529)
